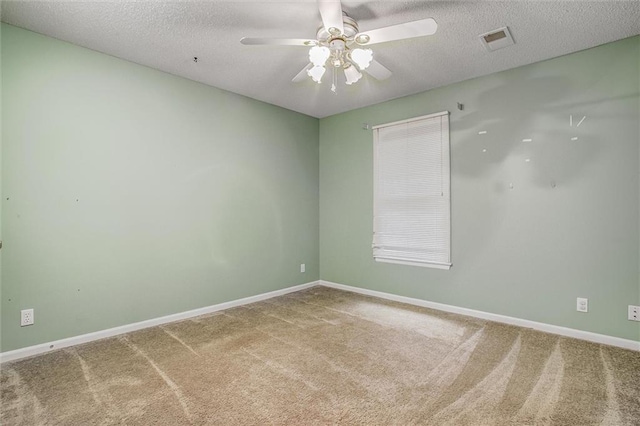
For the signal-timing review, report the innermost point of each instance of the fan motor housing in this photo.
(350, 30)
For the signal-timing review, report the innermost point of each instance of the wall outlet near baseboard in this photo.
(582, 304)
(26, 317)
(303, 267)
(634, 313)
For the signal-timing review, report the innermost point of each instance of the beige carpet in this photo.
(324, 356)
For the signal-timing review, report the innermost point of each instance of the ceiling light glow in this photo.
(362, 57)
(352, 74)
(318, 55)
(316, 73)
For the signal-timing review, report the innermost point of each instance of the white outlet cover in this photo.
(634, 313)
(582, 304)
(26, 317)
(303, 267)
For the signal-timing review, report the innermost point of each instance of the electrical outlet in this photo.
(26, 317)
(634, 313)
(582, 304)
(303, 268)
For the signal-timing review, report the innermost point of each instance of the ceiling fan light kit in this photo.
(339, 55)
(352, 75)
(316, 73)
(318, 55)
(338, 42)
(362, 57)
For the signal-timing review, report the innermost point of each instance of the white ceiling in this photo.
(167, 35)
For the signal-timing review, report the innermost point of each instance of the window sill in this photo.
(446, 266)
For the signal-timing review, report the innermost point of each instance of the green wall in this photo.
(130, 194)
(569, 227)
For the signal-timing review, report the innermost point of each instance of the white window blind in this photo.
(412, 202)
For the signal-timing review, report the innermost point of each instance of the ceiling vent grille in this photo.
(496, 39)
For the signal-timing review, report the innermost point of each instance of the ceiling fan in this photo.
(340, 45)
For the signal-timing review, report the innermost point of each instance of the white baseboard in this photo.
(84, 338)
(554, 329)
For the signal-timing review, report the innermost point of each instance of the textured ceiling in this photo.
(167, 35)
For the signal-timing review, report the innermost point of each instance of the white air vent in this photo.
(496, 39)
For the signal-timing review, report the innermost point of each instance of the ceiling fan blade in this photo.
(377, 70)
(302, 74)
(258, 41)
(331, 12)
(421, 28)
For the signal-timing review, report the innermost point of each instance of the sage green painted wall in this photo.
(130, 194)
(526, 252)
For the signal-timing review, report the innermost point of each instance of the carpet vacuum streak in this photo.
(323, 356)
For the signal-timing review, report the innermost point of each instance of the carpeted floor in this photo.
(324, 356)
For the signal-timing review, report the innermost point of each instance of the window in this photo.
(412, 202)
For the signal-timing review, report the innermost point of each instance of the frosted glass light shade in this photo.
(316, 73)
(318, 55)
(352, 74)
(362, 57)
